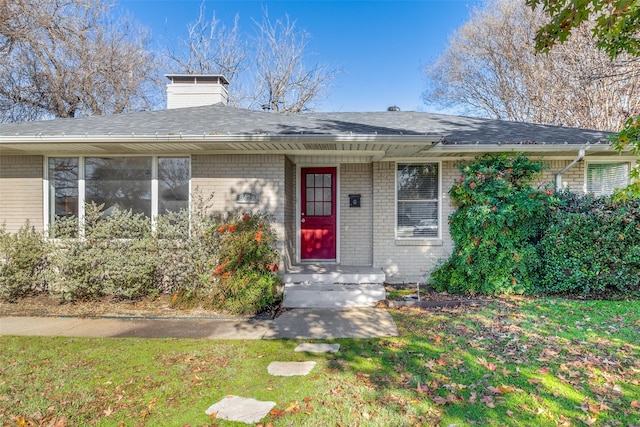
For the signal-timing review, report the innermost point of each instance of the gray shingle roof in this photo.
(223, 120)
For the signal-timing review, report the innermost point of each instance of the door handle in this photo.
(302, 220)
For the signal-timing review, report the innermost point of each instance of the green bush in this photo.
(117, 257)
(496, 227)
(244, 279)
(592, 247)
(227, 263)
(23, 260)
(185, 247)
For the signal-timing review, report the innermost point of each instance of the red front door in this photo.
(318, 214)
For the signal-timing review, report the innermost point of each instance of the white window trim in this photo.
(81, 184)
(416, 241)
(601, 162)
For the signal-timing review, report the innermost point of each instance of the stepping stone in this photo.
(318, 348)
(290, 369)
(242, 409)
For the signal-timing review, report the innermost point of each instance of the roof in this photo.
(218, 124)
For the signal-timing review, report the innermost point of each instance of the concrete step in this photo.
(350, 275)
(336, 295)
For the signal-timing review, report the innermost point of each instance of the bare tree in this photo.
(491, 68)
(66, 58)
(211, 48)
(285, 83)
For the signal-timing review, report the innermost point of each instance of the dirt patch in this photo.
(43, 305)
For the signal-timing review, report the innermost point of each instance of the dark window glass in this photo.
(173, 184)
(63, 187)
(119, 183)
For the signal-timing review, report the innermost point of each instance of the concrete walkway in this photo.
(297, 323)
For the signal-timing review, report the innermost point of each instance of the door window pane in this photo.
(310, 208)
(319, 194)
(119, 183)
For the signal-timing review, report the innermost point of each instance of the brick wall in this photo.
(226, 176)
(407, 260)
(21, 193)
(573, 179)
(356, 224)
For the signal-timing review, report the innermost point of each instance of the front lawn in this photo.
(519, 362)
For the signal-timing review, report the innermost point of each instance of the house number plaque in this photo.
(247, 198)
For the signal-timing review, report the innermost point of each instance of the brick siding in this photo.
(227, 176)
(356, 224)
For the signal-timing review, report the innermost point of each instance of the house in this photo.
(362, 193)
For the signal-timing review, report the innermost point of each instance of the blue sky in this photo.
(380, 46)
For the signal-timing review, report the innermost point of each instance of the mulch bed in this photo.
(43, 305)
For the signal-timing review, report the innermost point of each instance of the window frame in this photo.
(604, 162)
(48, 214)
(413, 238)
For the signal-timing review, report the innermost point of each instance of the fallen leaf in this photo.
(276, 413)
(213, 415)
(504, 389)
(439, 400)
(293, 407)
(590, 421)
(491, 366)
(544, 370)
(488, 400)
(635, 404)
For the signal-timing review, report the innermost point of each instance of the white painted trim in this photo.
(600, 162)
(82, 187)
(298, 196)
(428, 241)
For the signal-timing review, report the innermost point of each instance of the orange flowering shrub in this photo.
(244, 270)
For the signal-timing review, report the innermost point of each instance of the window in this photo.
(119, 183)
(145, 184)
(604, 178)
(63, 187)
(318, 197)
(417, 192)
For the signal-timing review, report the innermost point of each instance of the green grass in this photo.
(515, 362)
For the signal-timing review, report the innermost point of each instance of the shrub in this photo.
(184, 249)
(496, 227)
(244, 279)
(23, 260)
(592, 247)
(116, 257)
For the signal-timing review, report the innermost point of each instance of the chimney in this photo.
(195, 90)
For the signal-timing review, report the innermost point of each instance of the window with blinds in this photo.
(604, 178)
(418, 198)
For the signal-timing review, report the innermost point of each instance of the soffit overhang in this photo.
(368, 147)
